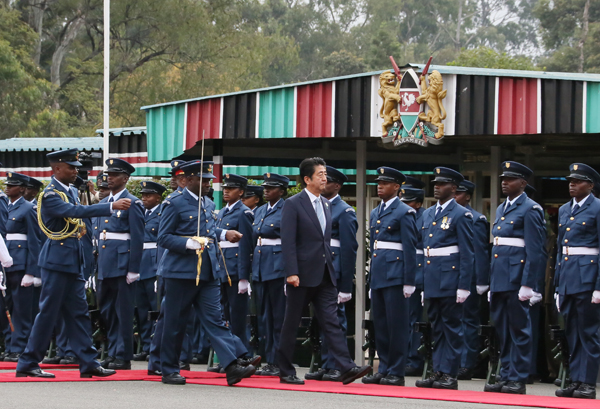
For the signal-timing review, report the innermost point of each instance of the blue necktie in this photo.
(111, 200)
(148, 212)
(575, 208)
(438, 210)
(320, 215)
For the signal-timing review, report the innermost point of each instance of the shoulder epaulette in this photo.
(482, 217)
(469, 215)
(537, 206)
(49, 193)
(249, 212)
(166, 202)
(351, 209)
(411, 210)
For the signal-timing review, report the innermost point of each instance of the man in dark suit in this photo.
(308, 265)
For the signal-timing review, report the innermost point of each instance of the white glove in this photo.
(155, 285)
(192, 245)
(344, 297)
(2, 287)
(369, 293)
(27, 280)
(537, 297)
(423, 298)
(243, 286)
(8, 262)
(557, 298)
(489, 296)
(462, 295)
(285, 289)
(408, 290)
(37, 282)
(596, 297)
(132, 277)
(482, 289)
(525, 293)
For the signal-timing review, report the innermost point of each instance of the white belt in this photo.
(335, 243)
(15, 236)
(419, 251)
(148, 246)
(268, 242)
(509, 241)
(580, 251)
(386, 245)
(441, 251)
(106, 235)
(228, 245)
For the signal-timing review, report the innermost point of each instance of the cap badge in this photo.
(77, 156)
(227, 176)
(10, 175)
(382, 171)
(210, 168)
(144, 184)
(268, 175)
(175, 163)
(507, 164)
(438, 171)
(402, 191)
(110, 161)
(575, 167)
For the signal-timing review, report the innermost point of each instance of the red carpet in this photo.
(7, 366)
(135, 375)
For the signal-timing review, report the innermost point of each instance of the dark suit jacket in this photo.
(304, 246)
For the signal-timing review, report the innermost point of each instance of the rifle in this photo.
(369, 344)
(426, 347)
(491, 351)
(561, 352)
(313, 339)
(12, 328)
(252, 321)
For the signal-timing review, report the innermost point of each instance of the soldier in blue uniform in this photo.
(447, 233)
(343, 251)
(413, 196)
(4, 301)
(33, 189)
(145, 296)
(61, 263)
(578, 281)
(23, 240)
(253, 197)
(479, 283)
(268, 276)
(193, 283)
(120, 248)
(393, 237)
(518, 262)
(234, 232)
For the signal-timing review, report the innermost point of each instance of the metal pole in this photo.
(494, 182)
(361, 215)
(106, 77)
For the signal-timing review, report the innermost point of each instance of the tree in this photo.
(485, 57)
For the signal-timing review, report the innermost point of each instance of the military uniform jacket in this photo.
(86, 241)
(116, 258)
(397, 223)
(3, 213)
(267, 261)
(444, 275)
(343, 228)
(179, 222)
(64, 255)
(161, 250)
(150, 257)
(22, 219)
(576, 274)
(481, 246)
(420, 256)
(513, 267)
(237, 259)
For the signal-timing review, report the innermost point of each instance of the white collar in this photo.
(116, 197)
(511, 202)
(335, 197)
(443, 206)
(389, 202)
(195, 196)
(232, 206)
(579, 203)
(269, 207)
(15, 202)
(153, 209)
(311, 196)
(67, 188)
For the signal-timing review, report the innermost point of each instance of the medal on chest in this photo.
(445, 223)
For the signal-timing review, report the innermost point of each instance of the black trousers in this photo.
(324, 301)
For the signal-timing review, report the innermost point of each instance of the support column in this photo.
(478, 199)
(495, 182)
(218, 172)
(361, 216)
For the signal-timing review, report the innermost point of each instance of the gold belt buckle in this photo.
(375, 245)
(104, 232)
(260, 242)
(427, 252)
(567, 247)
(495, 241)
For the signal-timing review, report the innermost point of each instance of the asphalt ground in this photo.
(144, 394)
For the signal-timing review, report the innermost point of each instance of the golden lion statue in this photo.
(389, 91)
(433, 95)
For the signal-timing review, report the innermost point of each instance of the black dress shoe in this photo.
(412, 371)
(353, 374)
(514, 387)
(392, 380)
(184, 366)
(315, 376)
(428, 383)
(250, 360)
(173, 379)
(464, 374)
(154, 373)
(218, 368)
(69, 360)
(107, 361)
(141, 356)
(291, 379)
(494, 387)
(199, 359)
(373, 379)
(333, 375)
(235, 372)
(269, 370)
(568, 391)
(446, 381)
(52, 361)
(119, 364)
(35, 373)
(97, 371)
(585, 391)
(13, 357)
